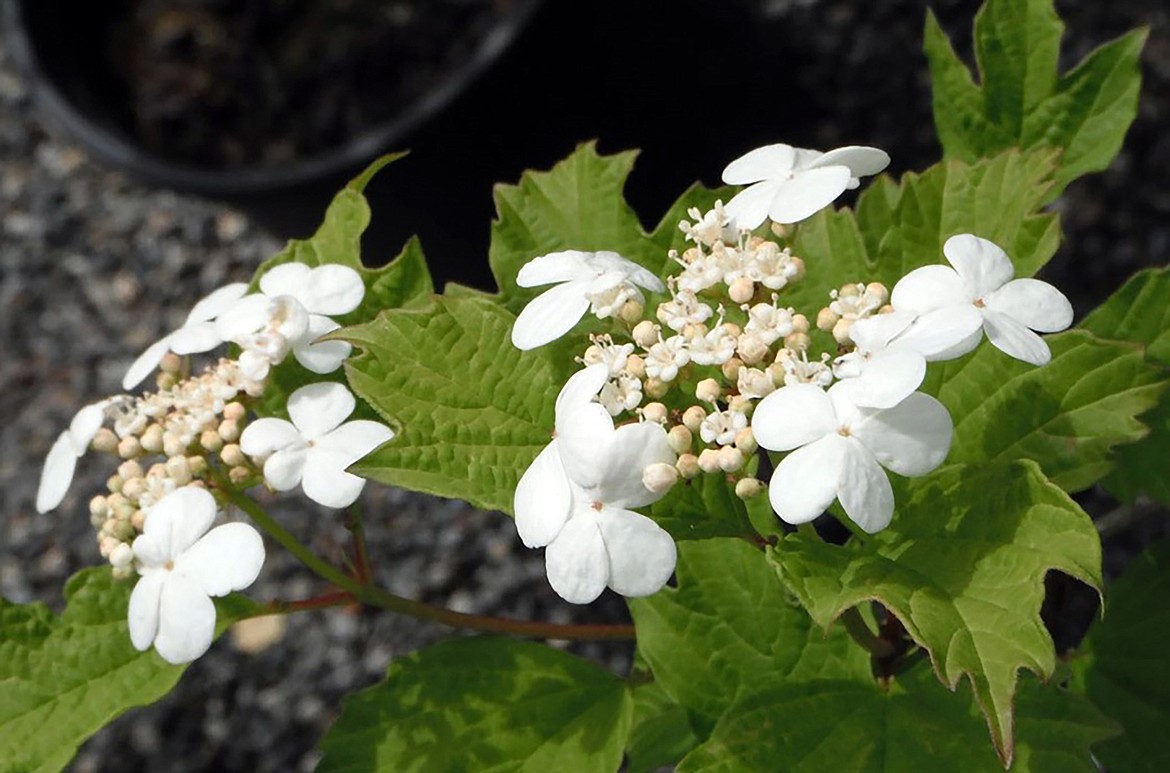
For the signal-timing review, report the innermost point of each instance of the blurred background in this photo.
(152, 150)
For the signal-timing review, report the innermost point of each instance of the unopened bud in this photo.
(841, 331)
(138, 520)
(179, 470)
(166, 381)
(798, 342)
(779, 229)
(99, 507)
(745, 441)
(129, 447)
(210, 441)
(851, 290)
(197, 465)
(751, 349)
(130, 469)
(234, 411)
(709, 460)
(659, 477)
(826, 318)
(107, 545)
(114, 484)
(133, 488)
(121, 556)
(679, 439)
(232, 455)
(229, 430)
(688, 466)
(173, 445)
(877, 290)
(239, 475)
(636, 366)
(123, 531)
(799, 323)
(152, 439)
(693, 417)
(731, 369)
(732, 329)
(170, 363)
(746, 488)
(631, 312)
(730, 458)
(105, 441)
(798, 269)
(708, 390)
(740, 404)
(654, 412)
(656, 388)
(645, 334)
(741, 290)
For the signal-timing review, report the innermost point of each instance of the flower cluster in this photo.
(192, 437)
(723, 373)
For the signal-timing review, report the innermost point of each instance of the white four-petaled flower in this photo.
(884, 368)
(182, 565)
(956, 305)
(576, 497)
(790, 184)
(839, 449)
(602, 281)
(315, 448)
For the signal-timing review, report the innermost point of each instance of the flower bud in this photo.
(121, 556)
(693, 417)
(746, 488)
(708, 390)
(152, 439)
(99, 507)
(171, 363)
(173, 445)
(798, 269)
(679, 439)
(656, 387)
(129, 447)
(123, 531)
(130, 469)
(799, 323)
(232, 455)
(798, 342)
(709, 460)
(851, 290)
(229, 430)
(138, 520)
(197, 465)
(631, 311)
(234, 411)
(751, 349)
(239, 475)
(210, 441)
(740, 404)
(179, 470)
(730, 458)
(732, 329)
(826, 318)
(877, 290)
(659, 477)
(105, 441)
(741, 290)
(688, 466)
(841, 331)
(114, 484)
(645, 334)
(166, 381)
(731, 368)
(779, 229)
(745, 441)
(655, 412)
(133, 488)
(636, 366)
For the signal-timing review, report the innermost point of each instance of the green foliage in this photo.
(64, 678)
(1067, 416)
(901, 226)
(484, 704)
(470, 411)
(731, 628)
(1140, 312)
(1124, 666)
(662, 732)
(701, 508)
(1022, 100)
(911, 725)
(962, 567)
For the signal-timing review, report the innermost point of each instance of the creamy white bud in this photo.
(645, 334)
(99, 507)
(693, 417)
(121, 556)
(679, 439)
(730, 458)
(179, 470)
(800, 323)
(138, 520)
(708, 390)
(229, 430)
(636, 366)
(741, 290)
(105, 441)
(631, 311)
(152, 439)
(114, 484)
(130, 469)
(232, 455)
(655, 412)
(688, 466)
(826, 318)
(746, 488)
(197, 465)
(745, 441)
(798, 342)
(129, 447)
(656, 387)
(731, 368)
(239, 475)
(234, 411)
(659, 477)
(171, 363)
(133, 488)
(210, 441)
(709, 460)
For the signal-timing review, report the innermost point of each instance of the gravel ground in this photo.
(93, 268)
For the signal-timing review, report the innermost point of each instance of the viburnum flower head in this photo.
(838, 450)
(198, 333)
(315, 448)
(292, 310)
(955, 306)
(182, 566)
(71, 445)
(601, 281)
(789, 184)
(576, 499)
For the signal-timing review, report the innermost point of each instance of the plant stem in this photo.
(361, 556)
(860, 632)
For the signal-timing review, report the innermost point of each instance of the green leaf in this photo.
(1140, 312)
(912, 725)
(1067, 416)
(900, 227)
(962, 567)
(64, 678)
(662, 733)
(1124, 665)
(701, 508)
(1022, 100)
(470, 411)
(484, 704)
(731, 628)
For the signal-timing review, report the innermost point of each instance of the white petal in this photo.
(195, 337)
(85, 425)
(186, 620)
(1014, 339)
(564, 266)
(1036, 304)
(326, 482)
(928, 288)
(807, 193)
(144, 609)
(244, 317)
(749, 207)
(912, 438)
(57, 473)
(584, 438)
(146, 363)
(225, 559)
(861, 160)
(632, 449)
(285, 279)
(283, 470)
(542, 500)
(152, 552)
(613, 262)
(865, 492)
(805, 482)
(874, 333)
(793, 416)
(943, 333)
(180, 518)
(323, 357)
(332, 289)
(550, 315)
(581, 388)
(254, 365)
(354, 439)
(760, 164)
(319, 408)
(216, 302)
(263, 436)
(981, 264)
(888, 377)
(641, 554)
(576, 561)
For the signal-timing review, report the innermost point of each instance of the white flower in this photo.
(182, 565)
(71, 445)
(603, 281)
(622, 393)
(664, 358)
(198, 333)
(716, 347)
(683, 309)
(577, 494)
(839, 449)
(956, 305)
(790, 184)
(883, 369)
(722, 427)
(291, 311)
(315, 448)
